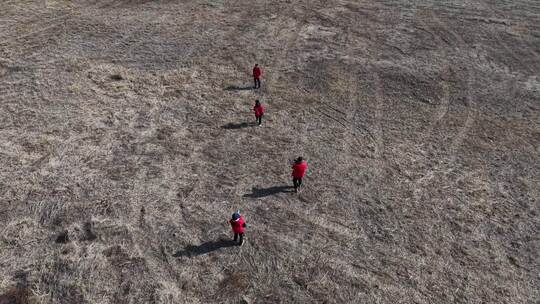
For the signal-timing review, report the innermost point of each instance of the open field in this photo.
(126, 142)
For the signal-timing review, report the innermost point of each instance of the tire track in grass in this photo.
(292, 42)
(325, 109)
(440, 112)
(443, 107)
(354, 142)
(376, 132)
(330, 112)
(351, 117)
(469, 102)
(379, 130)
(444, 103)
(290, 45)
(380, 161)
(469, 122)
(348, 120)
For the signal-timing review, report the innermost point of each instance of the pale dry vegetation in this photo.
(126, 141)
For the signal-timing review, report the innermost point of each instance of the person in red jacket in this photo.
(238, 225)
(259, 111)
(299, 168)
(257, 73)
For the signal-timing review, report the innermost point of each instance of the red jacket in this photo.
(299, 169)
(257, 72)
(259, 109)
(238, 225)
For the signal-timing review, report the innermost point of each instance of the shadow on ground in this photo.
(204, 248)
(238, 88)
(233, 126)
(262, 192)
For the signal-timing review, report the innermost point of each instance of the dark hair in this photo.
(299, 159)
(257, 101)
(256, 64)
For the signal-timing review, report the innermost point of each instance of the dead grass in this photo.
(126, 141)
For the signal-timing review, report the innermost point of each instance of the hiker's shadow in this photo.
(234, 126)
(238, 88)
(262, 192)
(204, 248)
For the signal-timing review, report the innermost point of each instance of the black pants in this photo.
(259, 119)
(297, 182)
(241, 235)
(257, 82)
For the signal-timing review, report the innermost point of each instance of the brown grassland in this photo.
(127, 140)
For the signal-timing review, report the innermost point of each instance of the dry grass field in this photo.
(127, 140)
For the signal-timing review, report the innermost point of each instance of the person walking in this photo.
(257, 73)
(259, 112)
(299, 168)
(238, 225)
